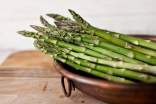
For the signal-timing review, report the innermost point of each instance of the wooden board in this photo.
(29, 63)
(29, 77)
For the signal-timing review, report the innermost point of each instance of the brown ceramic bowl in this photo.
(113, 93)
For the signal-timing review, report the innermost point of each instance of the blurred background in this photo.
(127, 16)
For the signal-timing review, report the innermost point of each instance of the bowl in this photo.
(113, 93)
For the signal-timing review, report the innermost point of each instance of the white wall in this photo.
(127, 16)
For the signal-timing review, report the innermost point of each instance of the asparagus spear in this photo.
(64, 20)
(75, 27)
(94, 72)
(146, 58)
(112, 71)
(71, 37)
(59, 17)
(82, 68)
(64, 25)
(110, 36)
(116, 64)
(131, 39)
(45, 23)
(62, 44)
(78, 39)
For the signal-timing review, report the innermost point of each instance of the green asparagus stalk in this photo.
(69, 36)
(59, 17)
(63, 25)
(142, 57)
(62, 44)
(75, 27)
(79, 67)
(56, 33)
(113, 71)
(78, 38)
(45, 23)
(66, 23)
(131, 39)
(70, 28)
(115, 64)
(64, 20)
(119, 36)
(94, 72)
(108, 70)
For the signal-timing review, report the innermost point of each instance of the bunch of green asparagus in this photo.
(102, 53)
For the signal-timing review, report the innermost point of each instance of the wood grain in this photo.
(29, 59)
(28, 77)
(28, 64)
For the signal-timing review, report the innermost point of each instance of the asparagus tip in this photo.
(21, 32)
(37, 28)
(25, 33)
(71, 11)
(33, 26)
(43, 21)
(57, 23)
(52, 15)
(41, 17)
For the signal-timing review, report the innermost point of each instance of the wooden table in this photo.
(29, 77)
